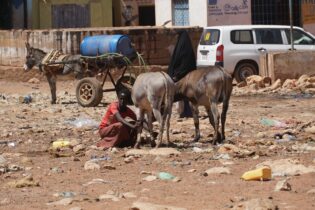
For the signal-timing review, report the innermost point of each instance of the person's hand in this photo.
(137, 124)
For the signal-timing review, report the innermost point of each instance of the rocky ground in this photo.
(273, 128)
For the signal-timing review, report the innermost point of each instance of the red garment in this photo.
(117, 135)
(109, 118)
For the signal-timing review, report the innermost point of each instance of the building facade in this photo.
(53, 14)
(47, 14)
(230, 12)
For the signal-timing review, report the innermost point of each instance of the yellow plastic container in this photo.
(263, 174)
(60, 143)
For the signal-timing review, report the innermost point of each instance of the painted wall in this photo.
(229, 12)
(308, 16)
(163, 11)
(117, 7)
(100, 11)
(198, 13)
(208, 12)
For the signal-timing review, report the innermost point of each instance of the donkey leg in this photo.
(195, 113)
(215, 113)
(52, 84)
(161, 121)
(225, 107)
(210, 116)
(168, 118)
(139, 129)
(150, 127)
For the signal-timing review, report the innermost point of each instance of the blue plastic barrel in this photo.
(101, 44)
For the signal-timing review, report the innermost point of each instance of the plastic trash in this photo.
(165, 176)
(284, 137)
(262, 174)
(67, 194)
(60, 143)
(274, 123)
(83, 122)
(95, 158)
(25, 99)
(11, 144)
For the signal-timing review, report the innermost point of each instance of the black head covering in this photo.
(183, 59)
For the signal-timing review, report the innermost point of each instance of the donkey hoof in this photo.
(153, 144)
(196, 138)
(136, 146)
(157, 146)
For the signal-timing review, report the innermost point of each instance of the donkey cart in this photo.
(101, 56)
(89, 90)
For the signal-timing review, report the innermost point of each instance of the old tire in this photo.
(89, 92)
(244, 70)
(125, 83)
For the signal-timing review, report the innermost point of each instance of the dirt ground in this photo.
(28, 131)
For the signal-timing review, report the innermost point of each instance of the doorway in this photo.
(70, 16)
(147, 16)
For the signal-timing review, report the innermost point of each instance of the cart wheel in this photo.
(89, 92)
(126, 83)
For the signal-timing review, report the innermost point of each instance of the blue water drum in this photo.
(101, 44)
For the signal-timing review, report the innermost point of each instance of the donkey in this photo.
(207, 87)
(153, 93)
(34, 57)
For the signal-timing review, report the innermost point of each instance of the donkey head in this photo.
(33, 57)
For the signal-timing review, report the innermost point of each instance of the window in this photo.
(181, 13)
(275, 12)
(210, 37)
(242, 37)
(268, 36)
(299, 37)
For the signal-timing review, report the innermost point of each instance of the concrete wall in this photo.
(287, 65)
(154, 43)
(163, 11)
(198, 13)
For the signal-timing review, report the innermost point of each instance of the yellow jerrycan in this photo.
(263, 174)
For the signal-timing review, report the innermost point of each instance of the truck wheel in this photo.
(89, 92)
(244, 70)
(126, 83)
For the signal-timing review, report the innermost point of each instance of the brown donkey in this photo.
(207, 87)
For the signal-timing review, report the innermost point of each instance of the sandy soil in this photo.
(28, 130)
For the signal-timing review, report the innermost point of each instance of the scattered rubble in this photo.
(258, 85)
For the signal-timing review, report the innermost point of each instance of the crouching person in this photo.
(115, 130)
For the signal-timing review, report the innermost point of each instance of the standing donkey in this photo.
(153, 94)
(36, 57)
(207, 87)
